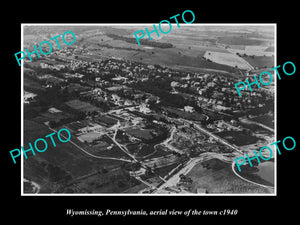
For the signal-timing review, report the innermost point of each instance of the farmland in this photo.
(228, 59)
(178, 55)
(240, 40)
(260, 61)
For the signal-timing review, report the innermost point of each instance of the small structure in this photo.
(54, 110)
(189, 109)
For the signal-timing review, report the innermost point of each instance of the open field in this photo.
(186, 115)
(189, 43)
(57, 165)
(163, 171)
(140, 133)
(113, 180)
(254, 51)
(241, 40)
(265, 119)
(89, 137)
(141, 150)
(31, 85)
(190, 54)
(263, 173)
(81, 106)
(228, 59)
(217, 177)
(44, 117)
(260, 61)
(114, 152)
(237, 137)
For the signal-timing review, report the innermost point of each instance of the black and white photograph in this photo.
(129, 113)
(163, 117)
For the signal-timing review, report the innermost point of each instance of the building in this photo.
(189, 109)
(28, 97)
(92, 127)
(139, 172)
(54, 110)
(144, 109)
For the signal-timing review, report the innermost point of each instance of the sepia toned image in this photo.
(160, 118)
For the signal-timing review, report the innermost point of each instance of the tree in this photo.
(52, 124)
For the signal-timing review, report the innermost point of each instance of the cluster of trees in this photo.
(161, 88)
(245, 55)
(142, 41)
(62, 121)
(104, 105)
(122, 48)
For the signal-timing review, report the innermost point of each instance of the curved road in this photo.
(94, 156)
(249, 181)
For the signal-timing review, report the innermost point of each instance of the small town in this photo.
(138, 127)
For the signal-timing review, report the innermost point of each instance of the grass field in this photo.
(89, 137)
(32, 85)
(81, 106)
(228, 59)
(114, 152)
(188, 54)
(263, 173)
(186, 115)
(265, 119)
(217, 177)
(261, 61)
(51, 168)
(239, 40)
(140, 133)
(237, 137)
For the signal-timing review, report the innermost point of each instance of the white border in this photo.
(146, 24)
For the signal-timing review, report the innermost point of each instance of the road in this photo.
(86, 152)
(173, 180)
(35, 186)
(244, 120)
(165, 142)
(249, 181)
(196, 126)
(122, 147)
